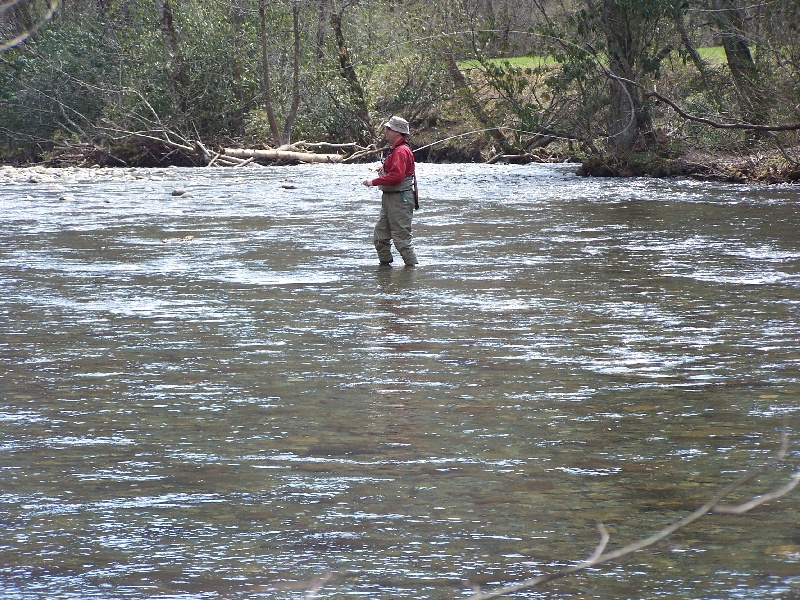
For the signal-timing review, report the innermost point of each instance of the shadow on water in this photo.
(222, 395)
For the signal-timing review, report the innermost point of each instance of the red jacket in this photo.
(398, 165)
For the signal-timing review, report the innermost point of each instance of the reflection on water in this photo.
(221, 395)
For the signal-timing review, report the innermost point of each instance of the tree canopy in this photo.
(594, 77)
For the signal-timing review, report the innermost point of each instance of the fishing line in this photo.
(587, 51)
(501, 127)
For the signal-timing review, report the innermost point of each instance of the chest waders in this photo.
(394, 223)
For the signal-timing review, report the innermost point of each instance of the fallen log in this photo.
(229, 161)
(306, 157)
(360, 155)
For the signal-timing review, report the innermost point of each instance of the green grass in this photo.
(524, 62)
(712, 54)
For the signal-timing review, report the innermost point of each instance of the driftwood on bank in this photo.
(304, 152)
(287, 155)
(196, 151)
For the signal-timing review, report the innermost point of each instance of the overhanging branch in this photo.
(713, 506)
(16, 41)
(717, 124)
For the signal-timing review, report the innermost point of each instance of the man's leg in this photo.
(400, 209)
(382, 235)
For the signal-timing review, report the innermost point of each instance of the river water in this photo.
(220, 395)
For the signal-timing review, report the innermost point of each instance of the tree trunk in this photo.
(475, 107)
(348, 72)
(290, 155)
(730, 20)
(322, 18)
(698, 61)
(290, 118)
(281, 137)
(176, 70)
(238, 21)
(629, 118)
(265, 74)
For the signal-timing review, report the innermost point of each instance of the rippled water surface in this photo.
(221, 395)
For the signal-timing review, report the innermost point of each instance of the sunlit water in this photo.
(221, 395)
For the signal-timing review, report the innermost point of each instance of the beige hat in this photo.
(397, 124)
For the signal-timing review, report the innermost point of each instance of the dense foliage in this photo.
(601, 76)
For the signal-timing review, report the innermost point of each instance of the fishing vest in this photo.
(404, 186)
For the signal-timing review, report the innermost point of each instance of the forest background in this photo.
(709, 88)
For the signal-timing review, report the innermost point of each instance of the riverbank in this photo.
(766, 166)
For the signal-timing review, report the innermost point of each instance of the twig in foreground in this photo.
(714, 505)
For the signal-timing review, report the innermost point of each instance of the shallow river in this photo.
(220, 395)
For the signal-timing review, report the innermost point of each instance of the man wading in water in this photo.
(397, 181)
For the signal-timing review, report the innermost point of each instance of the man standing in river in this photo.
(396, 179)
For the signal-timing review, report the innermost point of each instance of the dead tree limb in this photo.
(713, 506)
(307, 157)
(362, 154)
(330, 146)
(17, 40)
(717, 124)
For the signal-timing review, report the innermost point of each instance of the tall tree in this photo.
(629, 29)
(175, 65)
(23, 18)
(280, 135)
(323, 11)
(474, 104)
(606, 52)
(730, 18)
(347, 69)
(238, 18)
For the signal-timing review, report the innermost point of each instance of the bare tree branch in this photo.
(601, 545)
(16, 41)
(717, 124)
(740, 509)
(712, 506)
